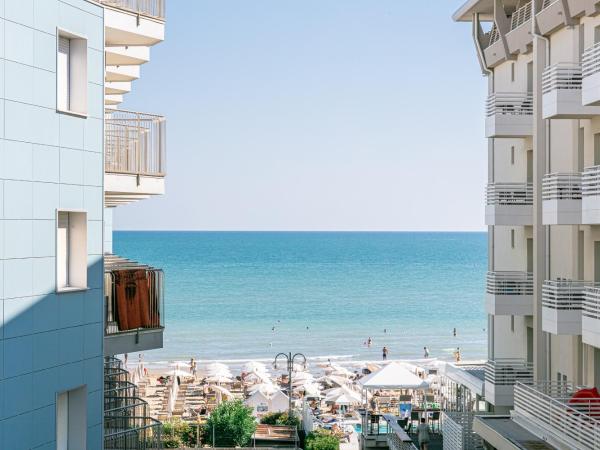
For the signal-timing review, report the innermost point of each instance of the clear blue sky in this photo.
(315, 115)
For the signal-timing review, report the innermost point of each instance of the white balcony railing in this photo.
(507, 371)
(561, 186)
(549, 406)
(591, 302)
(135, 143)
(562, 76)
(590, 181)
(150, 8)
(521, 16)
(494, 35)
(509, 283)
(510, 103)
(548, 3)
(510, 194)
(591, 60)
(565, 295)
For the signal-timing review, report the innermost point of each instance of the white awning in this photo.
(393, 376)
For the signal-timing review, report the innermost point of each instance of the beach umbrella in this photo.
(343, 395)
(254, 366)
(344, 400)
(257, 376)
(264, 388)
(179, 373)
(340, 371)
(311, 390)
(333, 380)
(215, 367)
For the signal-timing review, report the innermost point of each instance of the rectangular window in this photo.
(596, 34)
(597, 149)
(71, 419)
(512, 155)
(512, 238)
(71, 250)
(512, 323)
(512, 72)
(71, 73)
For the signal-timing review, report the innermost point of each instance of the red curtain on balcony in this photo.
(133, 308)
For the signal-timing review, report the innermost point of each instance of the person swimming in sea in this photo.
(369, 341)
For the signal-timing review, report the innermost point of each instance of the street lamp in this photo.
(290, 359)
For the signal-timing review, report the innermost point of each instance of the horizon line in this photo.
(305, 231)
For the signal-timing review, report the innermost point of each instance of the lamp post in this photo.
(290, 359)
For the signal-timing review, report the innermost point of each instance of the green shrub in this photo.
(280, 418)
(231, 424)
(321, 440)
(177, 433)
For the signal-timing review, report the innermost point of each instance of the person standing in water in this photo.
(454, 332)
(385, 353)
(425, 352)
(369, 341)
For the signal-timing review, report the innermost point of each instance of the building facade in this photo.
(542, 120)
(62, 64)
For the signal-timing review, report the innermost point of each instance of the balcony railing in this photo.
(127, 422)
(135, 143)
(509, 283)
(591, 302)
(510, 103)
(134, 296)
(493, 36)
(150, 8)
(521, 16)
(564, 295)
(561, 186)
(562, 76)
(457, 429)
(510, 194)
(507, 371)
(548, 3)
(591, 60)
(590, 181)
(550, 406)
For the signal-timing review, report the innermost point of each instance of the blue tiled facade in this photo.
(49, 342)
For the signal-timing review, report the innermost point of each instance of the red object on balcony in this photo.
(586, 401)
(132, 299)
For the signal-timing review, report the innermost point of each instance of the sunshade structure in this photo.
(393, 376)
(343, 396)
(266, 388)
(254, 366)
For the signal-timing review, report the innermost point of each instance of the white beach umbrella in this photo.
(312, 390)
(254, 366)
(333, 380)
(342, 395)
(179, 373)
(340, 371)
(264, 388)
(257, 376)
(215, 367)
(344, 400)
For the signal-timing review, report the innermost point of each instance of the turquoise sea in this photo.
(324, 293)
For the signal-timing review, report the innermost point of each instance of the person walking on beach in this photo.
(423, 435)
(425, 352)
(457, 354)
(385, 353)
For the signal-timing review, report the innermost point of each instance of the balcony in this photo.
(551, 17)
(562, 302)
(561, 199)
(562, 93)
(134, 296)
(147, 8)
(509, 293)
(548, 410)
(578, 8)
(509, 115)
(501, 375)
(590, 191)
(494, 52)
(509, 204)
(519, 37)
(127, 422)
(591, 75)
(135, 156)
(590, 316)
(134, 22)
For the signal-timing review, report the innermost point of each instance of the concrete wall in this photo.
(49, 342)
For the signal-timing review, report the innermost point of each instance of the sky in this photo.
(358, 115)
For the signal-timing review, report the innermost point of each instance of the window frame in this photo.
(73, 273)
(75, 83)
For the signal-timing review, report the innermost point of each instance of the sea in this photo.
(240, 296)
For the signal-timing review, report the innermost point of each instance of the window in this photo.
(71, 422)
(512, 238)
(512, 323)
(512, 155)
(512, 72)
(71, 73)
(71, 250)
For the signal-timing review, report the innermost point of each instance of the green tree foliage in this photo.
(280, 418)
(233, 425)
(177, 433)
(321, 440)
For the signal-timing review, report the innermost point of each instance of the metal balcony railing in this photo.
(507, 371)
(563, 294)
(591, 302)
(548, 3)
(562, 76)
(150, 8)
(521, 16)
(494, 35)
(590, 181)
(134, 296)
(509, 283)
(509, 194)
(590, 60)
(550, 406)
(457, 429)
(135, 143)
(561, 186)
(127, 424)
(509, 103)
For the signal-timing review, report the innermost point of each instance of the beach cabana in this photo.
(391, 377)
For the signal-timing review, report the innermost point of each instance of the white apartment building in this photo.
(542, 120)
(68, 156)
